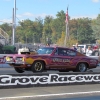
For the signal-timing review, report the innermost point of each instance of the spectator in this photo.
(47, 44)
(76, 47)
(89, 51)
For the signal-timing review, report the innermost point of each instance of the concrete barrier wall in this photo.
(47, 79)
(4, 66)
(1, 64)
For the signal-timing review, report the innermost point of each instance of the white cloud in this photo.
(96, 1)
(82, 16)
(6, 21)
(30, 15)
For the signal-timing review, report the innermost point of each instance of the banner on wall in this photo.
(23, 80)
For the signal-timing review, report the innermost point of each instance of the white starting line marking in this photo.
(47, 95)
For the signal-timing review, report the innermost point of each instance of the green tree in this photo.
(7, 28)
(84, 31)
(47, 31)
(38, 26)
(30, 31)
(50, 29)
(96, 27)
(73, 27)
(61, 41)
(58, 25)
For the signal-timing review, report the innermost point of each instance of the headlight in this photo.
(9, 59)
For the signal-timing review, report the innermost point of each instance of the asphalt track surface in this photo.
(10, 70)
(72, 92)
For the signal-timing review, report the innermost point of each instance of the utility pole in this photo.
(14, 23)
(13, 29)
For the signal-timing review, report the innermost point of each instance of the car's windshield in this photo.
(45, 50)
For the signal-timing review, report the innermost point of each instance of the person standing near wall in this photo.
(76, 47)
(89, 51)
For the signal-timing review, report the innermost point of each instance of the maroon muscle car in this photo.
(51, 58)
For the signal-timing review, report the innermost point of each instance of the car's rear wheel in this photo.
(81, 67)
(38, 66)
(19, 70)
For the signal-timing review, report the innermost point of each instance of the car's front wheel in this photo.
(38, 66)
(19, 70)
(81, 67)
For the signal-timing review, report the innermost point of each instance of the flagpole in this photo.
(65, 36)
(67, 29)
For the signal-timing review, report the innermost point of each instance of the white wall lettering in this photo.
(7, 80)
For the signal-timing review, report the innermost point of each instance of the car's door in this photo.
(62, 58)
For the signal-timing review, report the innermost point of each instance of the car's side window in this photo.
(65, 52)
(62, 52)
(56, 52)
(59, 51)
(71, 53)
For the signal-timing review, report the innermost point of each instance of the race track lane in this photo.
(92, 92)
(51, 93)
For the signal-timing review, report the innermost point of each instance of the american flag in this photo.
(66, 16)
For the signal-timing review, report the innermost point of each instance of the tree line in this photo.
(52, 30)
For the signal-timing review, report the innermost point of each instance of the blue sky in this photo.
(31, 9)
